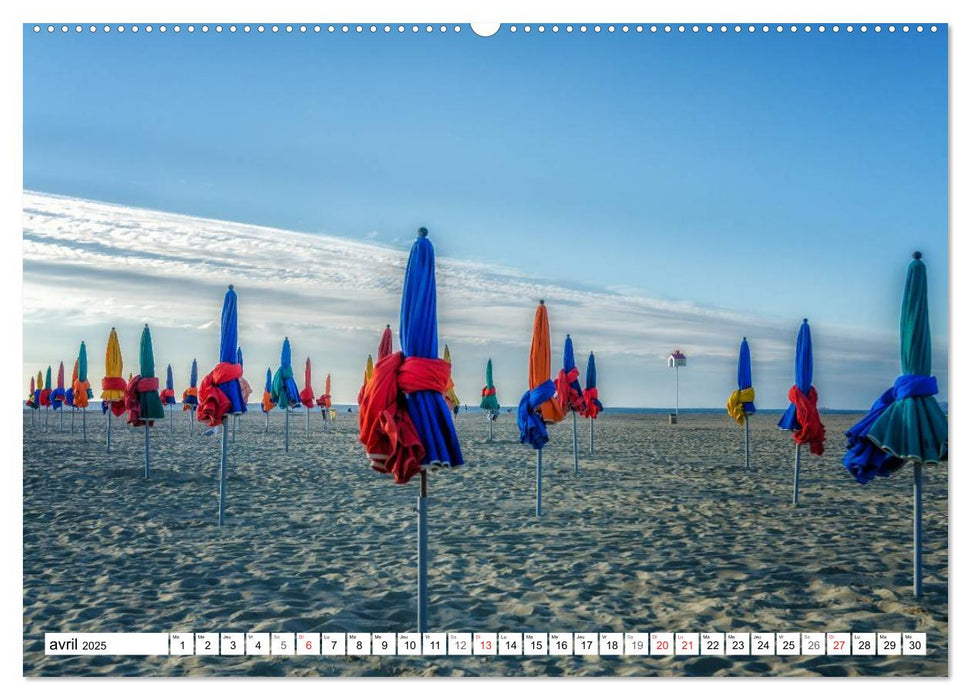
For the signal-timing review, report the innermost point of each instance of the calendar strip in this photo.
(522, 644)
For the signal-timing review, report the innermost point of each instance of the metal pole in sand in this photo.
(539, 482)
(492, 419)
(47, 418)
(108, 417)
(423, 554)
(918, 531)
(60, 420)
(222, 472)
(235, 419)
(308, 422)
(677, 390)
(84, 425)
(148, 463)
(188, 415)
(73, 411)
(171, 419)
(267, 416)
(746, 444)
(576, 447)
(31, 418)
(795, 478)
(286, 429)
(591, 435)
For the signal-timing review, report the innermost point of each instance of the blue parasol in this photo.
(419, 338)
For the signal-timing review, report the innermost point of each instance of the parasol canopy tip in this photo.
(423, 232)
(917, 255)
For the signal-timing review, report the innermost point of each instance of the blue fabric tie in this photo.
(532, 429)
(864, 458)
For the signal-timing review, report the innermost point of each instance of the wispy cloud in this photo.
(89, 266)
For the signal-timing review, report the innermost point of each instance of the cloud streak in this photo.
(90, 265)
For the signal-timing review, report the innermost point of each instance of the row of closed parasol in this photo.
(905, 424)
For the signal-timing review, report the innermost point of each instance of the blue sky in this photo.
(773, 176)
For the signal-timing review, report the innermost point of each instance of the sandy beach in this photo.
(664, 530)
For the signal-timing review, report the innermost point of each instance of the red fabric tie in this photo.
(136, 386)
(45, 397)
(486, 391)
(387, 431)
(324, 401)
(811, 429)
(213, 403)
(566, 393)
(307, 396)
(590, 397)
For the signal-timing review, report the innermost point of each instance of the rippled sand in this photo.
(664, 530)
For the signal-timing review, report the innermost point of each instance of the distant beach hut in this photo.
(538, 405)
(323, 401)
(570, 394)
(82, 389)
(190, 397)
(220, 394)
(802, 416)
(284, 393)
(167, 395)
(741, 404)
(113, 385)
(489, 402)
(906, 424)
(267, 403)
(141, 395)
(451, 398)
(407, 388)
(307, 397)
(591, 397)
(677, 360)
(57, 397)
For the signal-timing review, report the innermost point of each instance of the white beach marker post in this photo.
(222, 471)
(795, 478)
(918, 531)
(423, 553)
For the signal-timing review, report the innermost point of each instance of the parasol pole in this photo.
(795, 478)
(677, 389)
(492, 419)
(267, 416)
(73, 411)
(539, 482)
(222, 471)
(286, 429)
(171, 418)
(47, 418)
(31, 418)
(308, 422)
(746, 443)
(108, 417)
(576, 448)
(60, 421)
(188, 415)
(918, 531)
(235, 418)
(591, 435)
(147, 457)
(84, 425)
(423, 553)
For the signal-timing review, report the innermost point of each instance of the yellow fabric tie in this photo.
(735, 404)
